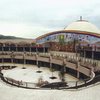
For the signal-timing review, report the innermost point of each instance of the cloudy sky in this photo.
(32, 18)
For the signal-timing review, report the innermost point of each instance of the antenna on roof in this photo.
(81, 18)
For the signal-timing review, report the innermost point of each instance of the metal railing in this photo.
(54, 85)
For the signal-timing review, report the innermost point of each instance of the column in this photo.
(37, 62)
(23, 49)
(2, 59)
(16, 49)
(30, 49)
(44, 49)
(50, 61)
(11, 60)
(36, 49)
(84, 54)
(78, 74)
(76, 49)
(37, 58)
(2, 48)
(50, 65)
(47, 49)
(9, 49)
(24, 61)
(92, 54)
(77, 66)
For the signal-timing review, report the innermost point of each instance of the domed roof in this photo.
(82, 25)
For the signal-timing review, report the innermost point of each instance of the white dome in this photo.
(82, 25)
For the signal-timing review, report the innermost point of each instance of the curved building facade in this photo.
(81, 36)
(81, 32)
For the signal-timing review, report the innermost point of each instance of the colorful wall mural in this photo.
(66, 41)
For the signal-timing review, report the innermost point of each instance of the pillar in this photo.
(37, 58)
(50, 62)
(2, 48)
(2, 59)
(11, 60)
(84, 54)
(23, 49)
(78, 65)
(24, 61)
(36, 49)
(9, 49)
(16, 49)
(76, 49)
(48, 50)
(30, 49)
(37, 62)
(50, 65)
(78, 74)
(44, 49)
(92, 54)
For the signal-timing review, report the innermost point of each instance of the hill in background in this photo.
(10, 37)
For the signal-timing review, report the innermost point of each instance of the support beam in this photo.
(30, 49)
(44, 49)
(9, 49)
(37, 62)
(11, 60)
(2, 60)
(16, 49)
(24, 61)
(50, 66)
(78, 74)
(92, 54)
(47, 49)
(84, 54)
(37, 58)
(50, 59)
(23, 49)
(76, 52)
(2, 48)
(36, 49)
(24, 58)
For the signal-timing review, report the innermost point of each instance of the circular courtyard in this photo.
(30, 74)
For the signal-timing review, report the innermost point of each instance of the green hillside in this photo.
(9, 37)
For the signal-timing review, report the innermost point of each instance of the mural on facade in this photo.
(67, 41)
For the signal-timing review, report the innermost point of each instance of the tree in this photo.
(62, 73)
(39, 69)
(53, 77)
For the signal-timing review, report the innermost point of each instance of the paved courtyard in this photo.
(29, 74)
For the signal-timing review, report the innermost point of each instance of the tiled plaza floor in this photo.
(13, 93)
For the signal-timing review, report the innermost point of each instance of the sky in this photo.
(33, 18)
